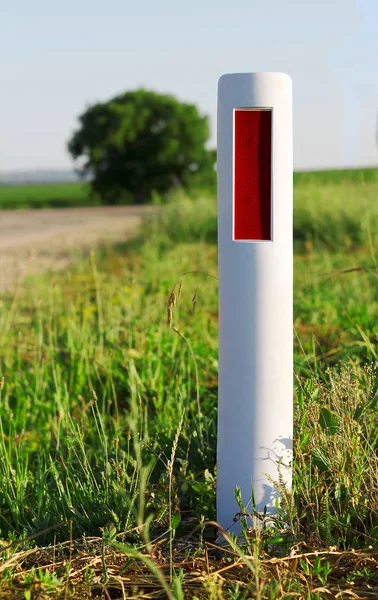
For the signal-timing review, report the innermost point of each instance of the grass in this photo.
(108, 419)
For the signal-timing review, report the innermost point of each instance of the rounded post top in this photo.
(254, 89)
(257, 75)
(267, 77)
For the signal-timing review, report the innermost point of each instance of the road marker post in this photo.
(255, 260)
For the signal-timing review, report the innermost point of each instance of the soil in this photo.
(35, 241)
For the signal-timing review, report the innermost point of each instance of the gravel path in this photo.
(32, 241)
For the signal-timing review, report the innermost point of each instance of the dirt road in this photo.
(32, 241)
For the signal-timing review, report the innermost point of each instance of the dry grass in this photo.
(90, 568)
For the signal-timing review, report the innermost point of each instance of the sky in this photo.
(56, 58)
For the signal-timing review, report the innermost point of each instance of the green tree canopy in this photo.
(142, 141)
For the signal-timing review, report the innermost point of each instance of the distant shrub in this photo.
(333, 217)
(184, 219)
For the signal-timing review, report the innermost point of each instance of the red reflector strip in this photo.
(252, 174)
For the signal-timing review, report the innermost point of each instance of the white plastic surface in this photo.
(255, 410)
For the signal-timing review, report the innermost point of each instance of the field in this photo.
(338, 176)
(45, 195)
(108, 417)
(59, 195)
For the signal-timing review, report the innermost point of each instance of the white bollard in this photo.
(255, 231)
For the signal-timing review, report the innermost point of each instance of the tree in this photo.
(142, 141)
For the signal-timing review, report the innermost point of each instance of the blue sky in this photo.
(56, 58)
